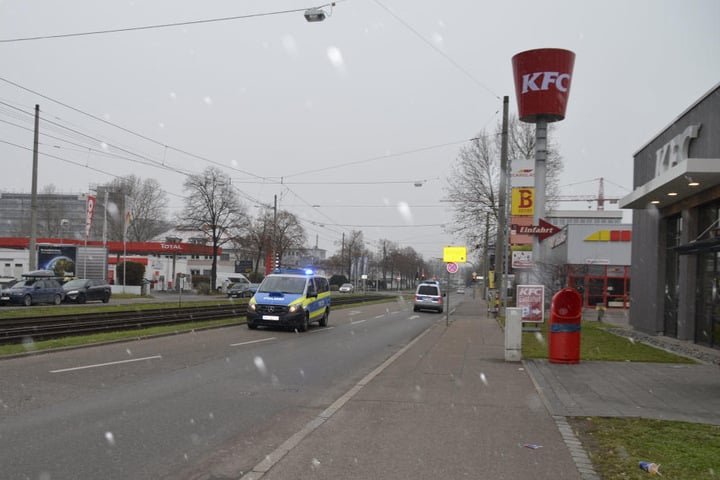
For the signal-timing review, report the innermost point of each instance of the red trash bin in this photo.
(564, 326)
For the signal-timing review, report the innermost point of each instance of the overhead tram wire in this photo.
(164, 25)
(434, 47)
(73, 162)
(381, 157)
(127, 130)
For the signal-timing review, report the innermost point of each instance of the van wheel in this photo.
(251, 326)
(324, 319)
(305, 324)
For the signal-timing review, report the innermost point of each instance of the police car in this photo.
(290, 298)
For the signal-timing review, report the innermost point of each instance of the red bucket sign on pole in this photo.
(531, 301)
(542, 83)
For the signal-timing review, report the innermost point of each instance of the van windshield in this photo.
(292, 285)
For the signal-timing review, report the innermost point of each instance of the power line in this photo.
(159, 26)
(126, 130)
(434, 47)
(381, 157)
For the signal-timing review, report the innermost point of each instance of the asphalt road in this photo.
(205, 405)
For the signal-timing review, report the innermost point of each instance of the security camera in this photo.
(315, 15)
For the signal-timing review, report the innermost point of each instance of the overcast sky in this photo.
(339, 119)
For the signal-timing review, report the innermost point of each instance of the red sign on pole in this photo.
(542, 83)
(542, 230)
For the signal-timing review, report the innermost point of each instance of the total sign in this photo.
(531, 300)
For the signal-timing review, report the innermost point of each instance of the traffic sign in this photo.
(455, 254)
(542, 230)
(452, 267)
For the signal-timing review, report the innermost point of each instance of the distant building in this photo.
(676, 220)
(591, 253)
(59, 215)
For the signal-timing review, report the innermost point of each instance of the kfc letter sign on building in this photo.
(542, 83)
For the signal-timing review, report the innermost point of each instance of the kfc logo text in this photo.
(533, 82)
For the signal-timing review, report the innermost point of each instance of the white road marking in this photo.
(357, 321)
(259, 470)
(320, 330)
(119, 362)
(252, 341)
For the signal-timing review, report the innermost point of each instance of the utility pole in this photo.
(33, 195)
(274, 237)
(486, 260)
(502, 220)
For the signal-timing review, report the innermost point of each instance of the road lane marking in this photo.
(252, 341)
(259, 470)
(119, 362)
(355, 322)
(320, 330)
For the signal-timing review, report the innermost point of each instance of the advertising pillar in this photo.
(542, 87)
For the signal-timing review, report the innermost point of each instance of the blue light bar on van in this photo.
(295, 271)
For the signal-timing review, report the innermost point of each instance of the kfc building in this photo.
(676, 227)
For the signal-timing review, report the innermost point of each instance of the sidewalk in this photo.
(448, 406)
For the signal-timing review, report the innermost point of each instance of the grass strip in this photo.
(618, 445)
(596, 343)
(80, 340)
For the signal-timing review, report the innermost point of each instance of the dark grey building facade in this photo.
(676, 227)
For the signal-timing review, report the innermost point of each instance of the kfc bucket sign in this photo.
(542, 83)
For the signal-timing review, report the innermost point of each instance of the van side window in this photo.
(322, 285)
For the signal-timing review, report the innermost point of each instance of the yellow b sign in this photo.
(455, 254)
(523, 201)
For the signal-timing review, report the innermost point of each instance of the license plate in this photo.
(271, 317)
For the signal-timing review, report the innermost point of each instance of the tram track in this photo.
(18, 330)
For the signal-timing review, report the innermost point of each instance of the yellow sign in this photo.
(455, 254)
(523, 201)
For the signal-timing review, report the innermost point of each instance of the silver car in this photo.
(428, 296)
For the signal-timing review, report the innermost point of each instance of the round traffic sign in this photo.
(452, 267)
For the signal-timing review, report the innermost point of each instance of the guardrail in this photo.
(17, 330)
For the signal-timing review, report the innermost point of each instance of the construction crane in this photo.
(600, 198)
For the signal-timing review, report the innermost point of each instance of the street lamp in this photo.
(317, 14)
(64, 223)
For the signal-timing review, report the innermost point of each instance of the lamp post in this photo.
(64, 224)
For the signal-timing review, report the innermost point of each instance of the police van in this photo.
(290, 298)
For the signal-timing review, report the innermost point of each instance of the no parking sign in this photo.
(452, 267)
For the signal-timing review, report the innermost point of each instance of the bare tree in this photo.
(144, 198)
(213, 207)
(353, 246)
(289, 233)
(259, 236)
(51, 213)
(474, 183)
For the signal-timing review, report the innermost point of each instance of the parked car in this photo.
(86, 290)
(346, 288)
(242, 290)
(5, 283)
(34, 290)
(428, 296)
